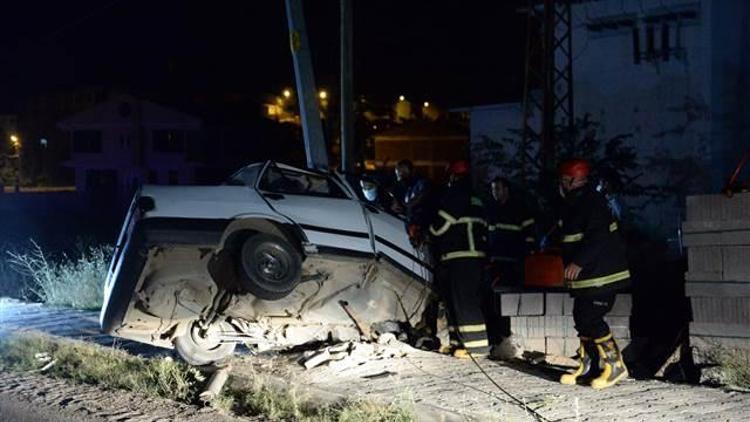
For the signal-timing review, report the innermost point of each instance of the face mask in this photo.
(370, 194)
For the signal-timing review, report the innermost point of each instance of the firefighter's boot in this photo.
(613, 368)
(585, 364)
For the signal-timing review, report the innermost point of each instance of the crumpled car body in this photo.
(276, 257)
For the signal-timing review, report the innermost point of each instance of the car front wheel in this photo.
(269, 266)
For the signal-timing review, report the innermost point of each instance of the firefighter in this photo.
(511, 232)
(595, 270)
(511, 237)
(459, 231)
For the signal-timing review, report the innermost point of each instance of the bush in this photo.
(734, 365)
(75, 282)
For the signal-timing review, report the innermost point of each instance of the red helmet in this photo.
(575, 167)
(459, 168)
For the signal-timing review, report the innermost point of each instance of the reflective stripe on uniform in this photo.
(476, 344)
(462, 254)
(501, 226)
(475, 328)
(598, 281)
(570, 238)
(527, 223)
(449, 220)
(613, 227)
(530, 240)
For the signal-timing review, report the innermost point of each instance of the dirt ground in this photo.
(29, 397)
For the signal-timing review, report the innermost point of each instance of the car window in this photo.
(245, 176)
(299, 183)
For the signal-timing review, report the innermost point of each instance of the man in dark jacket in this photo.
(595, 270)
(511, 237)
(459, 231)
(413, 200)
(511, 232)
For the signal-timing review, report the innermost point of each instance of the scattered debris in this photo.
(215, 384)
(347, 355)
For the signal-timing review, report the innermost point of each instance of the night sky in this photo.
(450, 53)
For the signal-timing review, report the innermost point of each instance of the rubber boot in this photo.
(585, 364)
(613, 368)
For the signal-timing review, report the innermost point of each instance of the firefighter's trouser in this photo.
(462, 282)
(588, 314)
(498, 327)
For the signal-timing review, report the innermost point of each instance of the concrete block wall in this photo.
(717, 236)
(543, 322)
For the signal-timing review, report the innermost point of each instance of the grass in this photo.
(734, 365)
(163, 377)
(74, 282)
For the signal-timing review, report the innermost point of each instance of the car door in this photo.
(391, 241)
(330, 218)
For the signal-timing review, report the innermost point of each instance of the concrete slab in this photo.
(721, 309)
(718, 329)
(531, 304)
(717, 288)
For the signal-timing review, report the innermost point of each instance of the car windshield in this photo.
(247, 176)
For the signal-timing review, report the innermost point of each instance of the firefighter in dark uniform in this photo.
(595, 270)
(512, 233)
(459, 232)
(511, 237)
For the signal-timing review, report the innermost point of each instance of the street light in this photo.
(287, 93)
(15, 141)
(401, 98)
(426, 104)
(323, 94)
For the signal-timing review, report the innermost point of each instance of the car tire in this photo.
(198, 347)
(269, 266)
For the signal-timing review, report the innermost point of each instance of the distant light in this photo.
(426, 104)
(401, 98)
(14, 138)
(374, 126)
(43, 142)
(287, 93)
(323, 94)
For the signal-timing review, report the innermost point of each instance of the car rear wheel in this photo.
(203, 346)
(269, 266)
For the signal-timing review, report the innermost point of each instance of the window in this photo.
(299, 183)
(246, 176)
(87, 141)
(168, 141)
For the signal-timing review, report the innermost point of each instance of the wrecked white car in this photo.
(276, 257)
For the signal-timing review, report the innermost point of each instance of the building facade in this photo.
(124, 142)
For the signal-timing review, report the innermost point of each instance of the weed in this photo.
(75, 282)
(734, 365)
(163, 377)
(94, 364)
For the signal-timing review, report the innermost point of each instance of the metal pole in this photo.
(312, 128)
(347, 97)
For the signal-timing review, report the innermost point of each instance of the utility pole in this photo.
(347, 97)
(312, 128)
(549, 71)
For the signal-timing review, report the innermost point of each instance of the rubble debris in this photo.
(347, 355)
